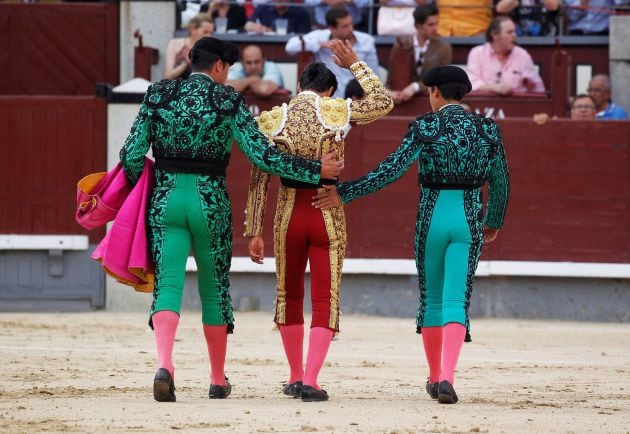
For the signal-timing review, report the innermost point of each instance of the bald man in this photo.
(600, 91)
(255, 74)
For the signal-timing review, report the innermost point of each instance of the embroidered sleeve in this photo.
(388, 171)
(498, 190)
(256, 147)
(376, 103)
(256, 202)
(137, 143)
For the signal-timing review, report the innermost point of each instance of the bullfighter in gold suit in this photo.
(310, 125)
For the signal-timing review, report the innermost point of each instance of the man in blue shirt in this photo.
(599, 90)
(340, 27)
(354, 7)
(255, 74)
(265, 15)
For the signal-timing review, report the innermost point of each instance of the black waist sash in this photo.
(198, 167)
(291, 183)
(455, 184)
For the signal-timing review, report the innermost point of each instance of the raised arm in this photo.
(377, 102)
(137, 144)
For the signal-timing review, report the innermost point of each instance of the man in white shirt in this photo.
(340, 27)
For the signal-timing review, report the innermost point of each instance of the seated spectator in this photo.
(235, 13)
(354, 91)
(590, 17)
(464, 17)
(265, 15)
(532, 17)
(339, 27)
(582, 109)
(176, 61)
(321, 7)
(499, 66)
(255, 73)
(426, 47)
(599, 90)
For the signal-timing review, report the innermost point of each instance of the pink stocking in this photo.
(454, 334)
(216, 340)
(293, 342)
(432, 340)
(165, 326)
(318, 344)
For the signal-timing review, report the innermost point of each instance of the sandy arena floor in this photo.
(92, 372)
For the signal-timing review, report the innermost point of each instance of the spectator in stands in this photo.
(499, 66)
(582, 109)
(599, 90)
(590, 17)
(321, 8)
(464, 17)
(532, 17)
(255, 73)
(235, 13)
(265, 15)
(339, 27)
(427, 48)
(176, 61)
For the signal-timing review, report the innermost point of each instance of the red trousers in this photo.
(307, 240)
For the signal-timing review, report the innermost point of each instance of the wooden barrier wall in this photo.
(570, 196)
(57, 48)
(48, 144)
(570, 183)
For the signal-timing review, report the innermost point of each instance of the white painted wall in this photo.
(156, 22)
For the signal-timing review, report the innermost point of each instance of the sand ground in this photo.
(92, 372)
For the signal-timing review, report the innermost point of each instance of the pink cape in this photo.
(124, 252)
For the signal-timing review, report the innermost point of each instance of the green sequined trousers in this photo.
(192, 211)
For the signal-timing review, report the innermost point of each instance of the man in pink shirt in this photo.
(499, 66)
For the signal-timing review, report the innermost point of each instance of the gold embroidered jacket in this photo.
(311, 126)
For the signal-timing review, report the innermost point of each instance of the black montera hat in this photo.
(226, 51)
(440, 75)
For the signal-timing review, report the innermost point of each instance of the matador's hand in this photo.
(343, 53)
(326, 198)
(257, 249)
(489, 234)
(331, 168)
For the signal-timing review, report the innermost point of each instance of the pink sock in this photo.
(318, 344)
(165, 326)
(293, 342)
(432, 340)
(216, 340)
(454, 334)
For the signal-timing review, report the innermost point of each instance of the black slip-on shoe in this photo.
(446, 393)
(293, 389)
(220, 392)
(310, 394)
(432, 389)
(163, 386)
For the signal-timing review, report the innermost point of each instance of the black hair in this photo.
(453, 90)
(422, 12)
(495, 26)
(334, 14)
(354, 89)
(208, 50)
(318, 78)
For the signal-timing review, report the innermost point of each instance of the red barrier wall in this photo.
(58, 49)
(48, 144)
(570, 193)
